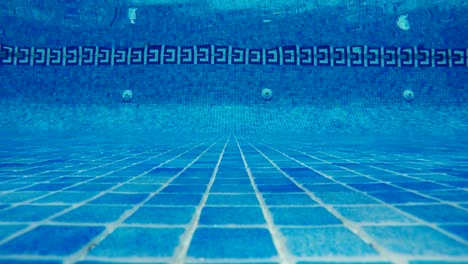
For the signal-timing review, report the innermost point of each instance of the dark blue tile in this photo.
(373, 214)
(449, 195)
(288, 199)
(231, 215)
(303, 216)
(289, 188)
(232, 199)
(162, 215)
(61, 240)
(12, 186)
(421, 185)
(117, 262)
(92, 214)
(327, 188)
(401, 197)
(232, 243)
(175, 199)
(325, 242)
(273, 181)
(29, 213)
(232, 188)
(93, 187)
(459, 230)
(202, 181)
(47, 187)
(6, 230)
(343, 262)
(66, 197)
(437, 213)
(120, 198)
(147, 242)
(15, 261)
(138, 188)
(415, 241)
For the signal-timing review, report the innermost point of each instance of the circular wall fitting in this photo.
(408, 95)
(267, 94)
(127, 95)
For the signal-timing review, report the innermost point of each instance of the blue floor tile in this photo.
(18, 197)
(138, 188)
(345, 198)
(61, 240)
(232, 199)
(401, 197)
(212, 243)
(231, 215)
(302, 216)
(120, 198)
(373, 214)
(416, 241)
(6, 230)
(29, 213)
(374, 187)
(92, 214)
(175, 199)
(192, 188)
(437, 213)
(146, 242)
(421, 185)
(459, 230)
(325, 242)
(274, 188)
(327, 188)
(66, 197)
(48, 187)
(289, 199)
(91, 187)
(232, 188)
(13, 261)
(162, 215)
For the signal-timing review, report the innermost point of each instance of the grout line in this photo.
(187, 237)
(110, 227)
(278, 241)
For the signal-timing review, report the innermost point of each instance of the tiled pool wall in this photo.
(380, 62)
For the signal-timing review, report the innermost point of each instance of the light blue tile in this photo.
(17, 197)
(146, 242)
(304, 216)
(401, 197)
(231, 188)
(186, 188)
(61, 240)
(120, 198)
(232, 243)
(92, 214)
(325, 242)
(416, 241)
(288, 199)
(373, 214)
(66, 197)
(175, 199)
(6, 230)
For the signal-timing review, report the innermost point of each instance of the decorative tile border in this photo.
(349, 56)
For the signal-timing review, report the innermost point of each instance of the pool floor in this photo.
(149, 198)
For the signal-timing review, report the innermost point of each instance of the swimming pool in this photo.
(359, 156)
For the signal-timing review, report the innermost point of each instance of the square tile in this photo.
(325, 242)
(186, 188)
(231, 243)
(29, 213)
(175, 199)
(327, 188)
(161, 215)
(231, 215)
(375, 187)
(6, 230)
(231, 188)
(458, 230)
(345, 198)
(66, 197)
(415, 241)
(373, 214)
(93, 214)
(146, 242)
(303, 216)
(61, 240)
(279, 188)
(18, 197)
(401, 197)
(437, 213)
(120, 198)
(288, 199)
(232, 199)
(138, 188)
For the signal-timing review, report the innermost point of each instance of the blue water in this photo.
(198, 168)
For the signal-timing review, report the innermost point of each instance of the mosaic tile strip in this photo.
(349, 56)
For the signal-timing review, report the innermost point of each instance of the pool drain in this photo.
(127, 95)
(408, 95)
(267, 94)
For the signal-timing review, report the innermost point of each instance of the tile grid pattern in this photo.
(349, 56)
(233, 199)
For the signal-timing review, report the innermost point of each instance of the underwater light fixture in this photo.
(403, 22)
